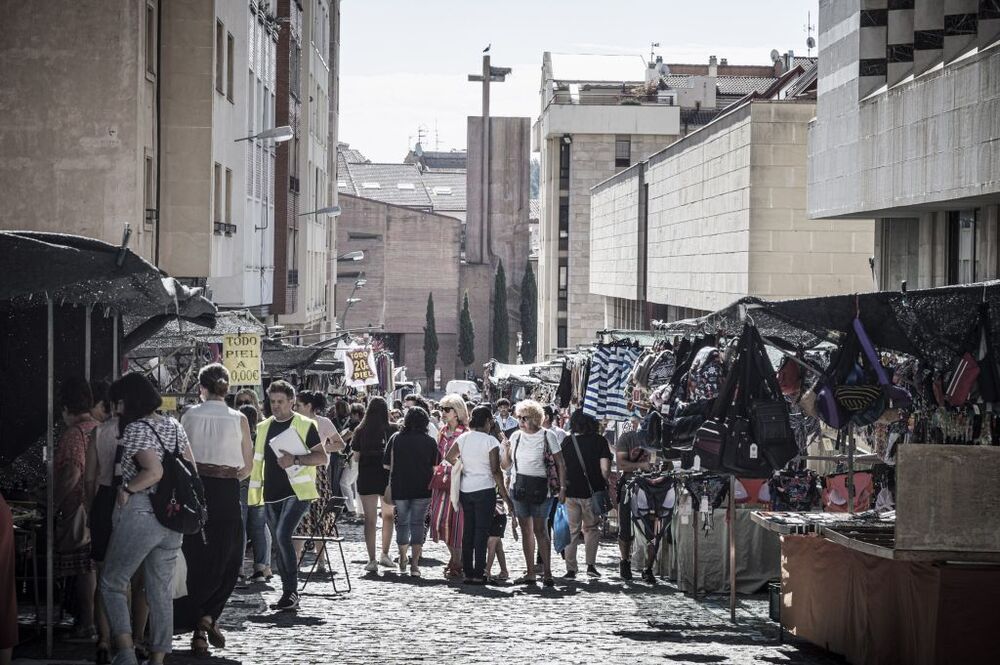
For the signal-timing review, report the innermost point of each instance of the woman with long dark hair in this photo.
(369, 442)
(220, 441)
(138, 538)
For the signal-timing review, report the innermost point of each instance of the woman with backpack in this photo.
(220, 441)
(369, 443)
(539, 477)
(138, 538)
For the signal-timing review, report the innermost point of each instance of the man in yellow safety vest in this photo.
(285, 484)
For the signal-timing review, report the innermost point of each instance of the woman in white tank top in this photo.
(223, 450)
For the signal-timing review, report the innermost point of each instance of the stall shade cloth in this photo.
(931, 324)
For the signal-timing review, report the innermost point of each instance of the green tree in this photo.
(466, 334)
(501, 327)
(430, 342)
(529, 316)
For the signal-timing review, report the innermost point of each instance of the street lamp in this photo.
(358, 283)
(276, 134)
(332, 211)
(356, 255)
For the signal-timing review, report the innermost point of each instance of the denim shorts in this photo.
(536, 510)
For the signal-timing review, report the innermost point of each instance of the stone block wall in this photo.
(614, 236)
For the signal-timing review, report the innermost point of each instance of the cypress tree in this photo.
(501, 327)
(466, 334)
(430, 342)
(529, 315)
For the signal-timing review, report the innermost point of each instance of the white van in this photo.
(467, 388)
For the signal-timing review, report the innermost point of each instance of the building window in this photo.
(220, 57)
(562, 338)
(623, 151)
(229, 196)
(564, 156)
(230, 47)
(962, 246)
(150, 40)
(563, 222)
(217, 195)
(148, 190)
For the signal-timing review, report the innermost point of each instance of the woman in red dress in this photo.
(446, 520)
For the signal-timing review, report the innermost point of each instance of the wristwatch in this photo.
(295, 460)
(127, 490)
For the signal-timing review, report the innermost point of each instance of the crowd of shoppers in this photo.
(278, 474)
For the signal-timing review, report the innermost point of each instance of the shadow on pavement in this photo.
(286, 620)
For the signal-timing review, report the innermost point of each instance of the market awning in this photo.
(514, 373)
(935, 325)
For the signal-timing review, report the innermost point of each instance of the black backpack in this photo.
(179, 499)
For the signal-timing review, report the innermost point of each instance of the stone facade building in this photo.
(599, 115)
(907, 131)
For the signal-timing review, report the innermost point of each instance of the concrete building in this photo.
(601, 114)
(140, 127)
(305, 243)
(907, 131)
(409, 253)
(718, 215)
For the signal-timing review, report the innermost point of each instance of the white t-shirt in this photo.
(326, 428)
(529, 451)
(560, 433)
(432, 431)
(474, 450)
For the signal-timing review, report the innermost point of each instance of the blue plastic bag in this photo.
(560, 528)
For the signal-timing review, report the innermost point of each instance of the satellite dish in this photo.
(775, 56)
(810, 42)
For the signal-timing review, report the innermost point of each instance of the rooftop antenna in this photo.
(437, 137)
(652, 54)
(421, 133)
(810, 40)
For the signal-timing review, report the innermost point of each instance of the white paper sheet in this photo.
(289, 443)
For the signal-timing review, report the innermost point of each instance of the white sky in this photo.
(404, 63)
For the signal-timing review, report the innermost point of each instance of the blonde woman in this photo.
(446, 520)
(530, 451)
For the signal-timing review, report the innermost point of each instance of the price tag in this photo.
(704, 505)
(753, 451)
(697, 463)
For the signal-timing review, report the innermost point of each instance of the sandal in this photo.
(199, 645)
(215, 636)
(450, 572)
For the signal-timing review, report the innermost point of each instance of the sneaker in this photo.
(259, 577)
(592, 571)
(625, 570)
(386, 561)
(289, 601)
(549, 582)
(648, 576)
(371, 567)
(570, 575)
(414, 571)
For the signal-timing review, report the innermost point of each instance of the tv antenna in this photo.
(810, 40)
(652, 54)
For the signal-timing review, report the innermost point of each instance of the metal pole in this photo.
(114, 347)
(485, 234)
(850, 469)
(697, 516)
(731, 519)
(86, 341)
(50, 513)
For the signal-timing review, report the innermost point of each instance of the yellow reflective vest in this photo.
(303, 483)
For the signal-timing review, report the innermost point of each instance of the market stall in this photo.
(61, 305)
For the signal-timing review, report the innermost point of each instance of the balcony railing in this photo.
(604, 98)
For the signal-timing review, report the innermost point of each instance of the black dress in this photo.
(373, 477)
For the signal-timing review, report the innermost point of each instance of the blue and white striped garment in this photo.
(606, 397)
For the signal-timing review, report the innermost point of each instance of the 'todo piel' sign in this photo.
(241, 356)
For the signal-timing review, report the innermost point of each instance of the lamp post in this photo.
(276, 134)
(358, 283)
(332, 211)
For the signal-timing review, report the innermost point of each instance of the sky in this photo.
(404, 63)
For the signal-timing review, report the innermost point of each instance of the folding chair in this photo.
(334, 506)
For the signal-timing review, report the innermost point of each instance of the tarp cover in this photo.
(934, 325)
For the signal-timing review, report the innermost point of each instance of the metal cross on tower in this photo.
(490, 75)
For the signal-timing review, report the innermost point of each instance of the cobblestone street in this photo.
(396, 619)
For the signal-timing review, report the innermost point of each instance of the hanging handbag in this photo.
(741, 455)
(963, 380)
(600, 501)
(441, 478)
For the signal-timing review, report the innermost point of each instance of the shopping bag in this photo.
(560, 528)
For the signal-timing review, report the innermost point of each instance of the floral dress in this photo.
(446, 522)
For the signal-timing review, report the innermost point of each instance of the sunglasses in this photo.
(244, 403)
(446, 409)
(523, 419)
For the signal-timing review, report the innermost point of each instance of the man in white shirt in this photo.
(505, 421)
(550, 423)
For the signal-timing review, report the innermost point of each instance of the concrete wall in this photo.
(561, 119)
(506, 237)
(615, 237)
(186, 179)
(926, 142)
(408, 254)
(76, 129)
